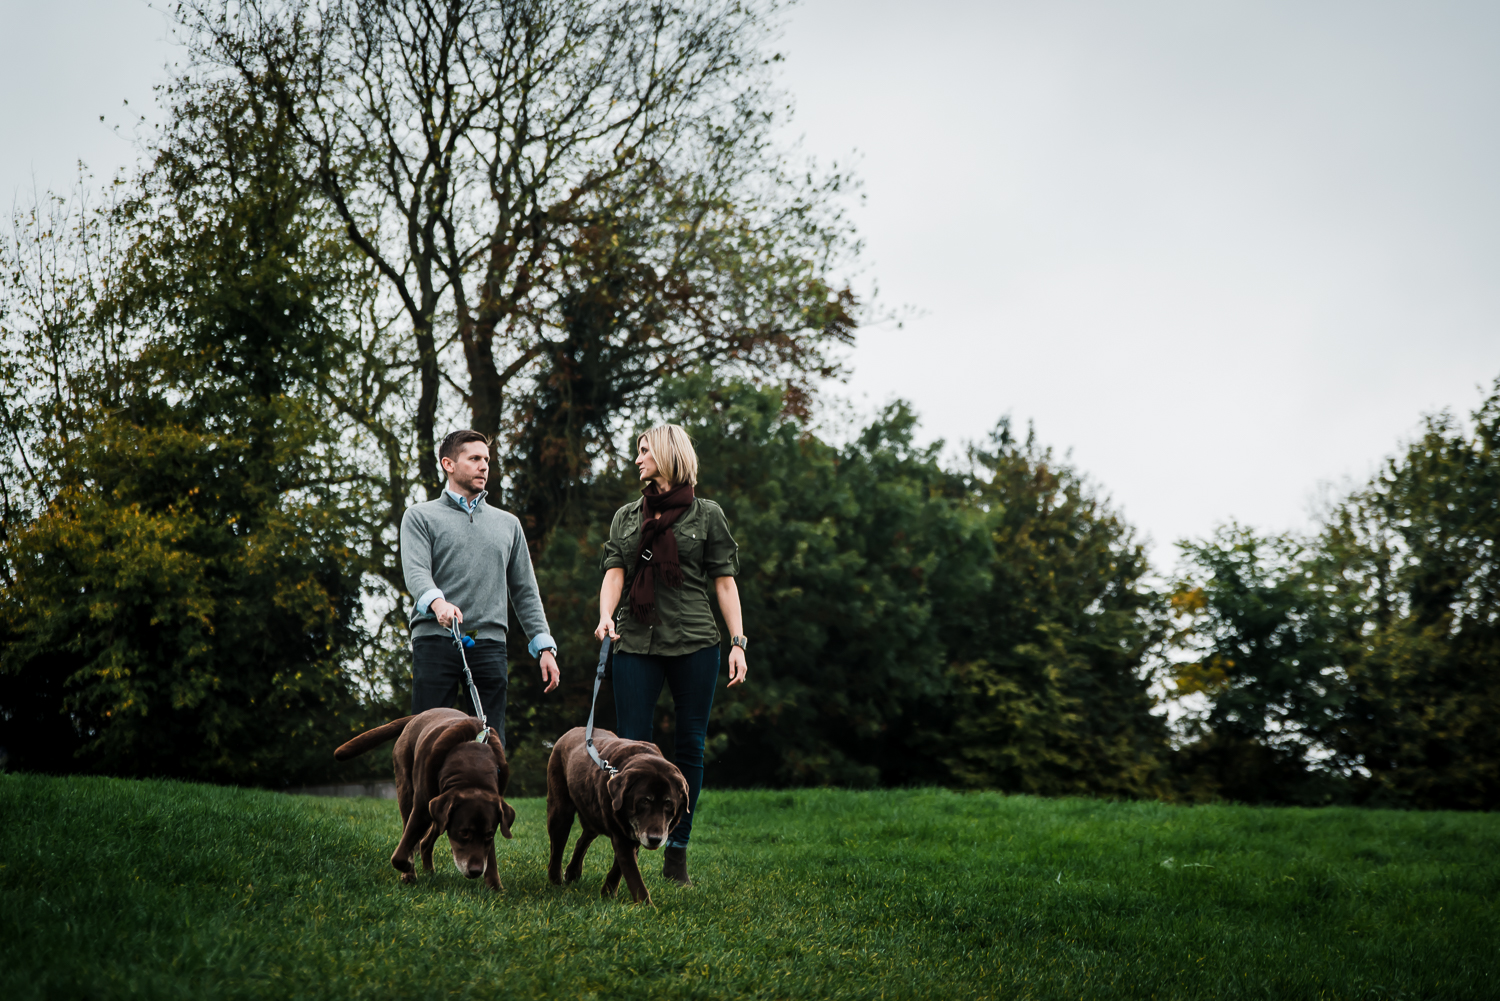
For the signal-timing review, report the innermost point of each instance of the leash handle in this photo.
(462, 642)
(588, 731)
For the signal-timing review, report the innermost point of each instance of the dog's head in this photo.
(470, 818)
(649, 796)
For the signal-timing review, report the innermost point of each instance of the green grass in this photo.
(114, 888)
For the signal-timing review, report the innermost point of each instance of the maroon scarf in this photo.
(658, 555)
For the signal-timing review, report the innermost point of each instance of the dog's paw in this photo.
(408, 878)
(403, 865)
(572, 875)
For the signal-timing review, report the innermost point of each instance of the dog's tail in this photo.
(371, 738)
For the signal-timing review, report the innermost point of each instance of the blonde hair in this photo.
(673, 451)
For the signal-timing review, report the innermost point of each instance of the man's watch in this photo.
(740, 642)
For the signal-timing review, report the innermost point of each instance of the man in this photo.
(465, 561)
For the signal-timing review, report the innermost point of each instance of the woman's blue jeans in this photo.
(691, 677)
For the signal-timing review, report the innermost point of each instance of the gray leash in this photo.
(588, 732)
(461, 641)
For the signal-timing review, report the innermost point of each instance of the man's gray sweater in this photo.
(476, 559)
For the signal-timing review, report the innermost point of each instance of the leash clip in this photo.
(604, 764)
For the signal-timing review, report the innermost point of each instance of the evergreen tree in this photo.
(1052, 662)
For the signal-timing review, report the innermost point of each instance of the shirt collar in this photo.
(465, 504)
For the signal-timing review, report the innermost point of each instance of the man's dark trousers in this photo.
(437, 677)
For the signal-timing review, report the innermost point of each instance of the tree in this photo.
(1267, 656)
(1051, 663)
(898, 636)
(494, 160)
(1363, 663)
(854, 559)
(1413, 561)
(185, 598)
(62, 351)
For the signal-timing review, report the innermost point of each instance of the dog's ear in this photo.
(616, 786)
(493, 741)
(507, 817)
(682, 804)
(502, 766)
(438, 809)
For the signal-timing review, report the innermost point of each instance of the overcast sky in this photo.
(1225, 253)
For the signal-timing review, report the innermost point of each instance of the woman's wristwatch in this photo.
(740, 642)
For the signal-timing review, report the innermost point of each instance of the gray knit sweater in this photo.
(476, 559)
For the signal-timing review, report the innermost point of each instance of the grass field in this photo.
(112, 889)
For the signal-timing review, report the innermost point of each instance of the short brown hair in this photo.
(673, 451)
(457, 440)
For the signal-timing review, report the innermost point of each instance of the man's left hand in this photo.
(550, 673)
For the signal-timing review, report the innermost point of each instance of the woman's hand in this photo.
(729, 604)
(609, 600)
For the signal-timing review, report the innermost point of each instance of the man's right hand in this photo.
(606, 627)
(447, 612)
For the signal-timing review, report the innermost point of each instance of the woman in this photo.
(670, 548)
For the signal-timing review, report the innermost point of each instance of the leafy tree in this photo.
(186, 598)
(1365, 662)
(179, 625)
(1051, 662)
(1413, 561)
(618, 243)
(62, 352)
(1267, 657)
(495, 160)
(880, 590)
(853, 560)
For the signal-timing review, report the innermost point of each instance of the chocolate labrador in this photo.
(445, 781)
(638, 805)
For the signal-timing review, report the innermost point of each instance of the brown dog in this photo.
(639, 805)
(445, 781)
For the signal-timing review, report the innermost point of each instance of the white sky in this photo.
(1224, 252)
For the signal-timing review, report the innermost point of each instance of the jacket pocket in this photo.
(629, 545)
(690, 541)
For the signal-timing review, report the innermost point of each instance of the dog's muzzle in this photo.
(470, 870)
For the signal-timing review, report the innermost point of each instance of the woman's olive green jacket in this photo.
(705, 550)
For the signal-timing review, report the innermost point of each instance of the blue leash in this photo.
(463, 643)
(588, 731)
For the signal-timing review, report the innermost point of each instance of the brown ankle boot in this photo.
(674, 866)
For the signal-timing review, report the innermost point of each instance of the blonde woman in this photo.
(670, 548)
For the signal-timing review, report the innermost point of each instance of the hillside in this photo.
(113, 888)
